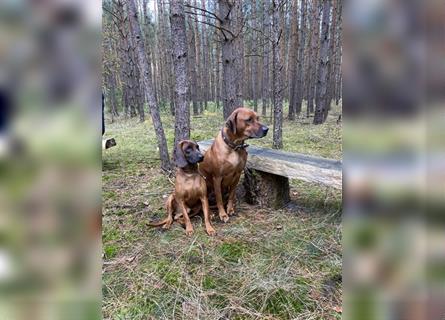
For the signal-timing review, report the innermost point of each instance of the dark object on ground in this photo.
(108, 143)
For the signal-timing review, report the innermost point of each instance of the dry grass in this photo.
(263, 264)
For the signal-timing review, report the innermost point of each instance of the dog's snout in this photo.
(200, 157)
(265, 129)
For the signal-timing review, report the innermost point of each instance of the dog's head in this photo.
(245, 124)
(187, 152)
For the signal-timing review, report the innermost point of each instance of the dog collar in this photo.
(231, 144)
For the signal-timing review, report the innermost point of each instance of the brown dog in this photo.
(226, 158)
(190, 195)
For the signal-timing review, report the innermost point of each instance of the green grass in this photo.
(263, 264)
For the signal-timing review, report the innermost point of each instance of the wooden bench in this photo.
(266, 178)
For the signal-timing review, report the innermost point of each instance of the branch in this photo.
(228, 12)
(205, 11)
(242, 27)
(253, 55)
(217, 27)
(198, 14)
(112, 13)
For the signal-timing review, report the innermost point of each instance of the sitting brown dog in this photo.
(226, 158)
(190, 195)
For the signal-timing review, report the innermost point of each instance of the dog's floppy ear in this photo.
(231, 122)
(180, 160)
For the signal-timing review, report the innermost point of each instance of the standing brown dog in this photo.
(225, 160)
(190, 195)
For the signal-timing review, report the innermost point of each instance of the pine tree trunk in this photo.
(301, 59)
(314, 56)
(199, 70)
(192, 68)
(308, 55)
(338, 54)
(218, 73)
(331, 56)
(277, 79)
(112, 95)
(266, 60)
(145, 68)
(322, 91)
(293, 56)
(239, 50)
(138, 101)
(205, 61)
(179, 38)
(111, 84)
(230, 54)
(283, 41)
(255, 59)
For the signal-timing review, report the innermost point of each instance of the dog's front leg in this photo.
(188, 224)
(205, 208)
(231, 202)
(219, 201)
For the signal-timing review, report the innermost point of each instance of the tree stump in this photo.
(265, 189)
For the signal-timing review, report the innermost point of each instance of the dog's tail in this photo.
(169, 207)
(158, 223)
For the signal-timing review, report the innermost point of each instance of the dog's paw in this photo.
(189, 232)
(211, 231)
(224, 217)
(231, 211)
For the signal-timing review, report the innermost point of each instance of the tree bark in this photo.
(277, 79)
(199, 70)
(338, 54)
(293, 57)
(266, 60)
(322, 91)
(283, 43)
(179, 38)
(145, 68)
(314, 56)
(218, 81)
(192, 68)
(110, 79)
(125, 70)
(205, 60)
(112, 95)
(331, 55)
(230, 54)
(255, 64)
(239, 50)
(138, 100)
(166, 67)
(301, 59)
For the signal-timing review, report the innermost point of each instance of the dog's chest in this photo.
(235, 161)
(192, 187)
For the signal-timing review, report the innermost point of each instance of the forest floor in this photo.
(263, 264)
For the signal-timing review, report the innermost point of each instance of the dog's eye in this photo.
(249, 120)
